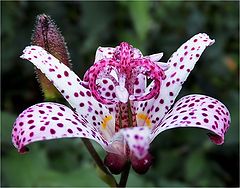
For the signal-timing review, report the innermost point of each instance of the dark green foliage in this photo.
(182, 157)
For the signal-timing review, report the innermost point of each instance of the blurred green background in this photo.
(183, 157)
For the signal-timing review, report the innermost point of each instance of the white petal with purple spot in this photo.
(181, 64)
(137, 139)
(68, 83)
(104, 52)
(197, 111)
(45, 121)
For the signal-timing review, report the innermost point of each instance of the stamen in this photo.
(121, 91)
(145, 118)
(92, 75)
(105, 121)
(151, 70)
(127, 70)
(122, 94)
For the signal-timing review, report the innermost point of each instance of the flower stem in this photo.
(124, 176)
(97, 159)
(95, 155)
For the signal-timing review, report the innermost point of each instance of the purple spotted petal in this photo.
(47, 121)
(137, 53)
(155, 57)
(140, 82)
(107, 89)
(197, 111)
(181, 63)
(140, 85)
(103, 53)
(68, 83)
(137, 139)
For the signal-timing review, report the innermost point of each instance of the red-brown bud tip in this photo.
(115, 163)
(141, 166)
(47, 35)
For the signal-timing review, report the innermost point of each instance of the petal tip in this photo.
(23, 150)
(216, 139)
(22, 56)
(212, 41)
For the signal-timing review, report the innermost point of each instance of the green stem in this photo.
(124, 176)
(94, 155)
(97, 159)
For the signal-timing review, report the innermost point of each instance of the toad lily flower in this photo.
(113, 104)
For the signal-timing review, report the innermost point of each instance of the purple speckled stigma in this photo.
(126, 69)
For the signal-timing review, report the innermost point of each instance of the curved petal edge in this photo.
(46, 121)
(197, 111)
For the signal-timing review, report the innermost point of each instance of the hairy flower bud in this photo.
(141, 166)
(115, 163)
(48, 36)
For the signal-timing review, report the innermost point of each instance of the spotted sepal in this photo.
(180, 65)
(45, 121)
(198, 111)
(68, 83)
(138, 140)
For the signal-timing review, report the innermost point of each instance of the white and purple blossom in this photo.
(113, 104)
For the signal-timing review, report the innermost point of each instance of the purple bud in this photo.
(115, 163)
(47, 35)
(141, 166)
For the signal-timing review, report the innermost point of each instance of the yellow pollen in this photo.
(105, 121)
(145, 118)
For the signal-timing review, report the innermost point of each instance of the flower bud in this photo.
(115, 163)
(141, 166)
(48, 36)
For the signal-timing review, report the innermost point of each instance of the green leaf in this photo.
(167, 168)
(32, 170)
(85, 176)
(136, 180)
(195, 166)
(162, 182)
(6, 126)
(139, 11)
(232, 136)
(108, 179)
(24, 170)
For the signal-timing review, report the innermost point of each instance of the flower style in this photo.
(113, 104)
